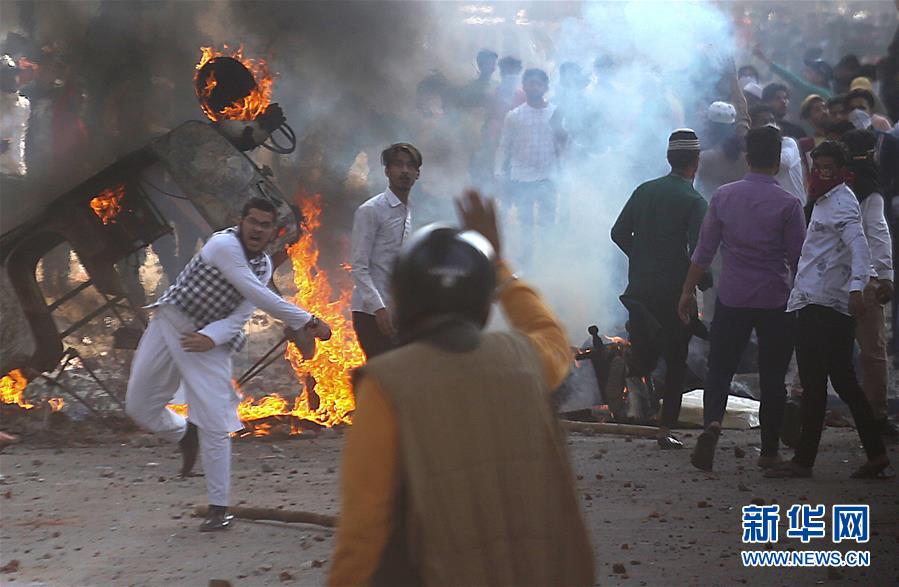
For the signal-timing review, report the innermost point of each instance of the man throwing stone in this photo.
(198, 323)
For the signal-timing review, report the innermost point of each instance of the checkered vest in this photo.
(205, 296)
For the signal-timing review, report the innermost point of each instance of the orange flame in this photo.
(327, 376)
(12, 388)
(617, 340)
(249, 107)
(327, 396)
(108, 203)
(12, 391)
(180, 409)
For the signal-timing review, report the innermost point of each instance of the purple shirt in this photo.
(760, 228)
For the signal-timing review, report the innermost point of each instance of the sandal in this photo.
(874, 470)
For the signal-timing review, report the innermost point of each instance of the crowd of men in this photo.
(799, 218)
(801, 226)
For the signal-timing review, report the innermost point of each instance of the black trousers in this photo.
(371, 339)
(731, 328)
(671, 341)
(824, 349)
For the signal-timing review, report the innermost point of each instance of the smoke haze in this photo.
(348, 73)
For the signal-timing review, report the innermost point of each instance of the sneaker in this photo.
(876, 469)
(669, 442)
(704, 454)
(217, 519)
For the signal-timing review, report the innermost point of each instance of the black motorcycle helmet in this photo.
(442, 275)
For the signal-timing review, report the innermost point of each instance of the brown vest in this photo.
(487, 490)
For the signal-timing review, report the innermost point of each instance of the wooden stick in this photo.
(289, 516)
(609, 428)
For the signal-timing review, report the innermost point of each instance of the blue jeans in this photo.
(730, 332)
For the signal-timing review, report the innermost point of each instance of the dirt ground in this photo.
(115, 513)
(83, 506)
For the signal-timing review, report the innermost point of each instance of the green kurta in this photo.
(657, 230)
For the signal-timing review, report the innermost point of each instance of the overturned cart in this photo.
(191, 172)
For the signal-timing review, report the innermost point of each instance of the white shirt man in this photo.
(790, 175)
(835, 248)
(380, 227)
(529, 150)
(834, 269)
(528, 144)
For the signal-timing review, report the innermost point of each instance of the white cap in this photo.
(722, 112)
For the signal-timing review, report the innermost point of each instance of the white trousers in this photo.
(160, 368)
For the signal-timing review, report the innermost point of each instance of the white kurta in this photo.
(161, 366)
(160, 369)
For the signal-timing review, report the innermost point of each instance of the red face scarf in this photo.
(819, 183)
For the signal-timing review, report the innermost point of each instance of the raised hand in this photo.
(479, 214)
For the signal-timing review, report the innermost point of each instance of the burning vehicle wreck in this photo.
(196, 173)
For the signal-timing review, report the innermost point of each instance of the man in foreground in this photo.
(197, 325)
(433, 491)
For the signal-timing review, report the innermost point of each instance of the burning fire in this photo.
(12, 391)
(249, 107)
(617, 340)
(108, 203)
(327, 396)
(12, 388)
(328, 393)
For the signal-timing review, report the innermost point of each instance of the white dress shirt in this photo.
(528, 144)
(225, 253)
(380, 227)
(835, 258)
(877, 232)
(14, 112)
(790, 175)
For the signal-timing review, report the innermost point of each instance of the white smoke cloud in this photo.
(663, 60)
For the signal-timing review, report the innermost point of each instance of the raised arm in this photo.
(738, 99)
(528, 313)
(523, 307)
